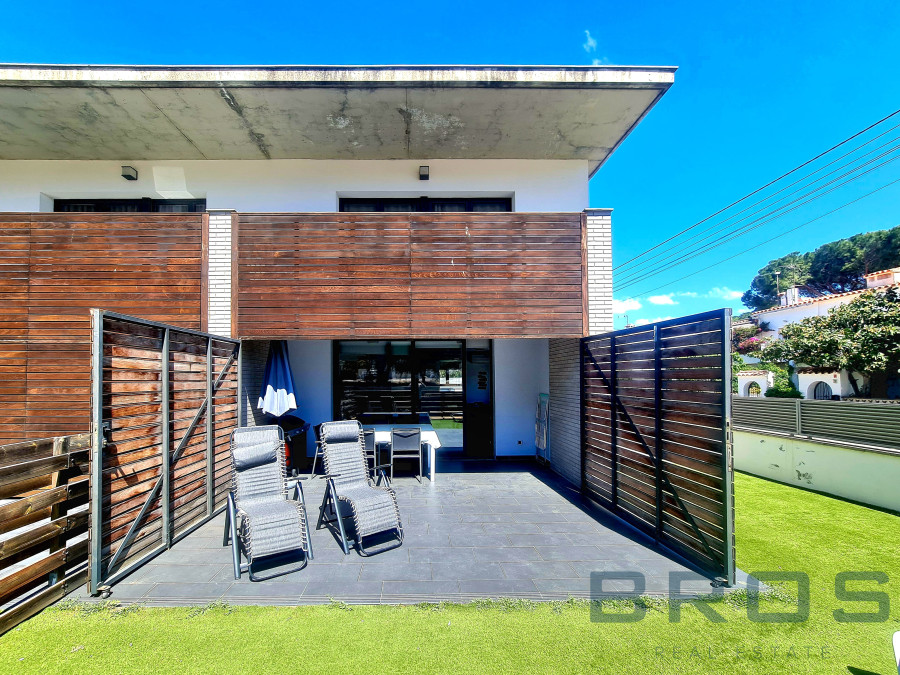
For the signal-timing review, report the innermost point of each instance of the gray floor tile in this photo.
(340, 589)
(469, 540)
(432, 588)
(534, 539)
(570, 553)
(460, 556)
(396, 572)
(506, 554)
(511, 528)
(584, 568)
(574, 585)
(285, 590)
(567, 526)
(472, 570)
(495, 588)
(538, 570)
(189, 593)
(162, 572)
(130, 591)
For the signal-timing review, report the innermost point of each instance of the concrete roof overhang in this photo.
(323, 112)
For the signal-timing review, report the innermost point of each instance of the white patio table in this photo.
(429, 438)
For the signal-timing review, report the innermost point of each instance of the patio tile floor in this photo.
(485, 529)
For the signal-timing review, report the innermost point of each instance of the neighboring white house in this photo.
(753, 383)
(815, 383)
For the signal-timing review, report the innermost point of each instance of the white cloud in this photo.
(644, 322)
(661, 300)
(724, 293)
(687, 294)
(629, 305)
(590, 44)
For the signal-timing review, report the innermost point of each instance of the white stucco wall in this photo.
(311, 367)
(791, 314)
(295, 185)
(839, 383)
(521, 372)
(867, 477)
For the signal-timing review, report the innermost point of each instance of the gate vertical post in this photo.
(614, 420)
(582, 347)
(166, 496)
(657, 426)
(727, 449)
(210, 464)
(96, 496)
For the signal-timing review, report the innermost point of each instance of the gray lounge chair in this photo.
(373, 506)
(271, 522)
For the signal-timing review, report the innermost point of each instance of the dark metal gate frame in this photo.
(99, 576)
(617, 407)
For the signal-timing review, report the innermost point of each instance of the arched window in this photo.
(822, 392)
(754, 390)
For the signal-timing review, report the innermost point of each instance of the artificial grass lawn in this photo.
(778, 528)
(445, 424)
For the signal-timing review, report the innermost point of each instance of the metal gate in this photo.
(164, 401)
(656, 445)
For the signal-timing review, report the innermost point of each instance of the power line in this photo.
(760, 189)
(669, 253)
(637, 276)
(763, 243)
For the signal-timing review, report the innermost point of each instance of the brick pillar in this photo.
(219, 308)
(599, 270)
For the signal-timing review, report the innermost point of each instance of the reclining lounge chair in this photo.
(271, 522)
(373, 506)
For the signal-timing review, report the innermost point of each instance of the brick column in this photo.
(599, 270)
(219, 308)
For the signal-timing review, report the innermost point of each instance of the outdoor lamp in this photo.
(129, 173)
(423, 173)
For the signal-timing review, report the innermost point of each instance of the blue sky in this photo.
(761, 87)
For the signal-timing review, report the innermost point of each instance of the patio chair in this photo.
(271, 522)
(373, 506)
(406, 444)
(371, 447)
(317, 432)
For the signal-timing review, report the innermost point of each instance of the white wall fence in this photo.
(870, 426)
(860, 475)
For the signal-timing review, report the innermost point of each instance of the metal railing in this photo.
(874, 426)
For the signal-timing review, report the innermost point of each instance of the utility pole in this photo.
(777, 285)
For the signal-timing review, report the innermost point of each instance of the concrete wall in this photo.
(778, 318)
(295, 185)
(867, 477)
(521, 372)
(565, 409)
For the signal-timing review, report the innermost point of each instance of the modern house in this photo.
(813, 383)
(420, 236)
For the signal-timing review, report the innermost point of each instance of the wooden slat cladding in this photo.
(654, 433)
(43, 521)
(411, 275)
(53, 268)
(131, 461)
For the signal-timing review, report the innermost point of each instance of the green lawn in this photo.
(778, 528)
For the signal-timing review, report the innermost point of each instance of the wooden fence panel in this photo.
(410, 275)
(53, 268)
(164, 408)
(655, 428)
(43, 524)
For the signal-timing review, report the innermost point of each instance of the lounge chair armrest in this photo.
(381, 466)
(330, 475)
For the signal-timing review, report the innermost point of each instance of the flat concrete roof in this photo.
(323, 112)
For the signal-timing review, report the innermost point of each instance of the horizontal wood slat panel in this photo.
(346, 275)
(56, 266)
(654, 423)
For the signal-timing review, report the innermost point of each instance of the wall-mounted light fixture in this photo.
(423, 173)
(129, 173)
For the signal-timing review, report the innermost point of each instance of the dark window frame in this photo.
(423, 204)
(143, 205)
